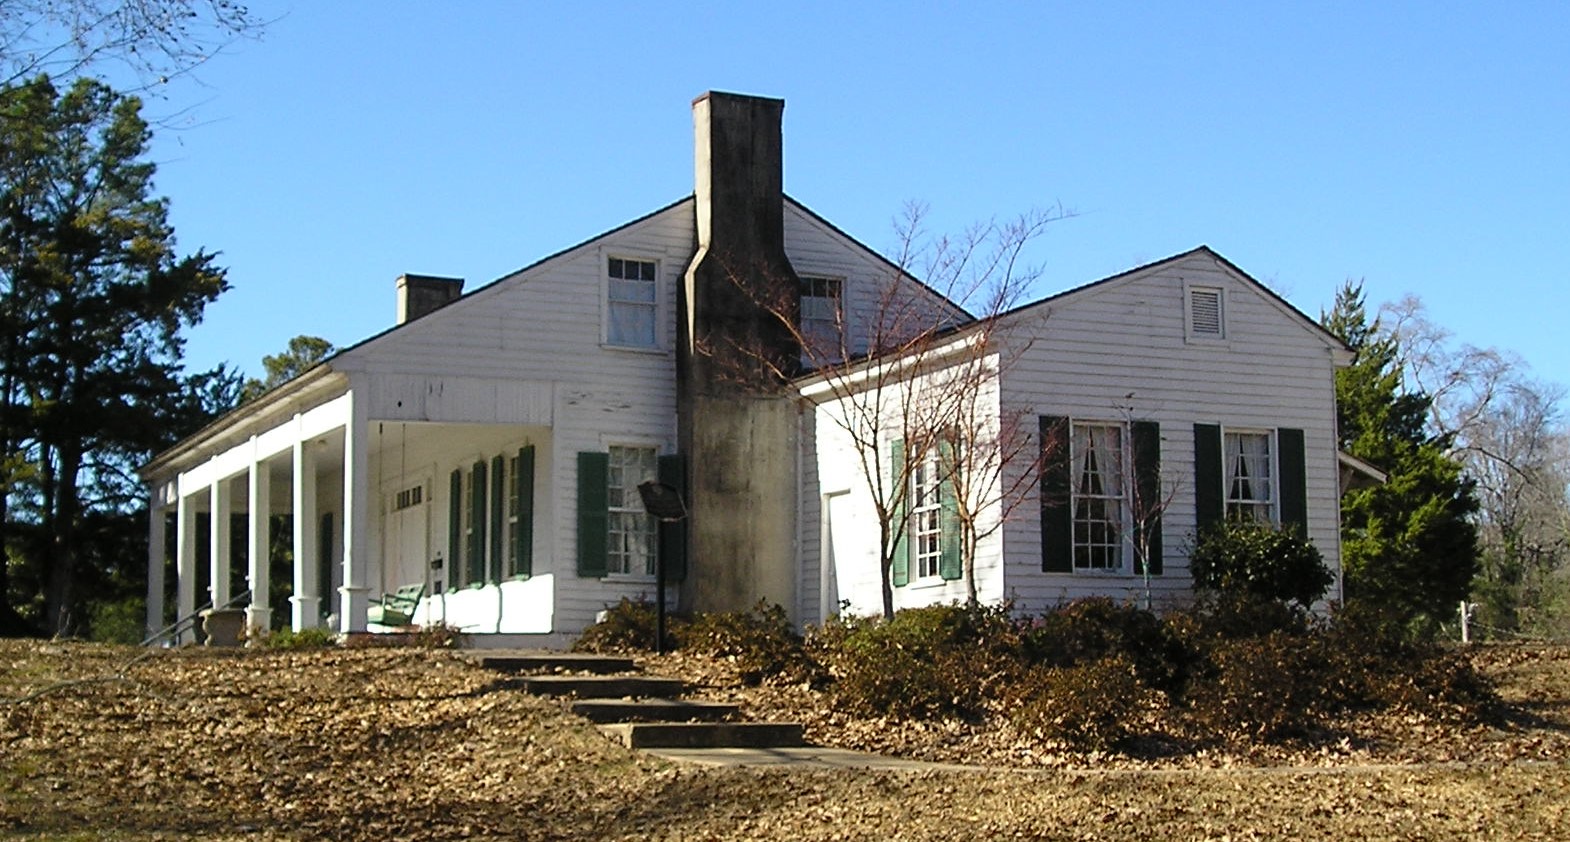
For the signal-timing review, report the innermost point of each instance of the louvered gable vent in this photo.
(1204, 306)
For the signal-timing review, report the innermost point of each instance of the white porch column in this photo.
(306, 601)
(219, 542)
(258, 617)
(354, 594)
(185, 564)
(155, 563)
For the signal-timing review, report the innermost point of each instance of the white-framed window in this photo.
(510, 516)
(1205, 314)
(1249, 458)
(926, 517)
(473, 550)
(821, 317)
(631, 545)
(1099, 497)
(631, 303)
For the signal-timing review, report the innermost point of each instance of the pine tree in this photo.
(1408, 546)
(93, 298)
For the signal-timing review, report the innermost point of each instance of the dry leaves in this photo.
(414, 744)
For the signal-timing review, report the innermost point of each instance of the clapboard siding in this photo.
(857, 551)
(817, 248)
(529, 348)
(1117, 352)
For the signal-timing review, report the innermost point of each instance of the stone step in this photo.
(551, 661)
(652, 710)
(601, 686)
(706, 734)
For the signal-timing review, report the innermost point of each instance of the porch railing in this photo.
(188, 622)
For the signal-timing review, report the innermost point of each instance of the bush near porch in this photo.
(1233, 671)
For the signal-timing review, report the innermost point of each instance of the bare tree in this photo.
(153, 40)
(1509, 432)
(908, 375)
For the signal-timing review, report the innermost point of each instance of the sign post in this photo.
(664, 503)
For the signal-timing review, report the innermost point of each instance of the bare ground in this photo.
(112, 743)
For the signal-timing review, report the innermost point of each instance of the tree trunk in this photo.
(60, 605)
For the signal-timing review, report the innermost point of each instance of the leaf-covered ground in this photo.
(414, 744)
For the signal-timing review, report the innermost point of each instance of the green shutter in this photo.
(455, 531)
(899, 487)
(523, 535)
(1147, 493)
(593, 513)
(673, 536)
(476, 569)
(1057, 505)
(950, 564)
(498, 516)
(1294, 479)
(1209, 494)
(324, 562)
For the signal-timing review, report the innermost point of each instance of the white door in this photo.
(406, 541)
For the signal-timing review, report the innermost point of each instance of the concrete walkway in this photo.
(818, 757)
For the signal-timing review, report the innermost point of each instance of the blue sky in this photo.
(1424, 147)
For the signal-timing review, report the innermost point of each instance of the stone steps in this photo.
(605, 711)
(706, 734)
(602, 686)
(639, 711)
(551, 662)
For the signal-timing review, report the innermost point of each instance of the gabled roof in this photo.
(1202, 250)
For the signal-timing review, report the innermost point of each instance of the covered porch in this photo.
(353, 507)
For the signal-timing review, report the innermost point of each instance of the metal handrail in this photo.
(174, 629)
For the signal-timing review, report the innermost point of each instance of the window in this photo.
(820, 314)
(631, 545)
(926, 517)
(1250, 477)
(1206, 313)
(511, 520)
(631, 303)
(1098, 496)
(408, 498)
(471, 569)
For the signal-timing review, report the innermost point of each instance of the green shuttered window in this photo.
(596, 512)
(900, 564)
(1256, 474)
(593, 512)
(520, 514)
(1096, 477)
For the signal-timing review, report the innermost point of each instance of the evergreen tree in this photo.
(92, 298)
(1408, 546)
(303, 353)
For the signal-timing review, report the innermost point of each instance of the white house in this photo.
(1164, 398)
(486, 449)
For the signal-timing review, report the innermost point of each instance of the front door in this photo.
(406, 541)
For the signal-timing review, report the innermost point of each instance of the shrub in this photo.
(1088, 630)
(926, 662)
(122, 621)
(1261, 687)
(1232, 616)
(1258, 559)
(1091, 705)
(761, 642)
(628, 625)
(1374, 663)
(317, 638)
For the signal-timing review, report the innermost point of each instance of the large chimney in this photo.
(738, 429)
(421, 294)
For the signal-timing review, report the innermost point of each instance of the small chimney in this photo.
(421, 294)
